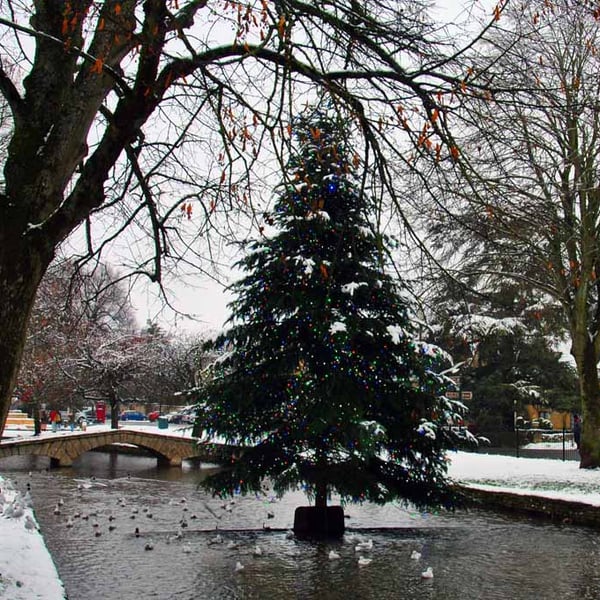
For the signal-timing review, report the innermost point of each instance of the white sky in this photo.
(206, 300)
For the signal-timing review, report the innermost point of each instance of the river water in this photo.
(197, 541)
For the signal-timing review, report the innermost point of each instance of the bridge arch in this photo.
(65, 448)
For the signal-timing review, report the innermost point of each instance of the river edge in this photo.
(543, 508)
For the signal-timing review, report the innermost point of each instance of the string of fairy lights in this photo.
(317, 351)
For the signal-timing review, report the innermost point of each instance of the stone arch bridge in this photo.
(63, 449)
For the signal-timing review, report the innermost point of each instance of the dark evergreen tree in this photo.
(322, 381)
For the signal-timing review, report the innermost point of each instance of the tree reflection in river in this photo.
(473, 555)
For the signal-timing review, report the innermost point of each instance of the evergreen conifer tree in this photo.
(321, 380)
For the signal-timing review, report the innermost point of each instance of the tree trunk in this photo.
(113, 400)
(321, 495)
(587, 367)
(21, 270)
(37, 422)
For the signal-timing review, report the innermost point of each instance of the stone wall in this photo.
(559, 511)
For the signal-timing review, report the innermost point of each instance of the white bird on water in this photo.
(363, 562)
(415, 555)
(333, 555)
(361, 546)
(239, 566)
(257, 550)
(427, 574)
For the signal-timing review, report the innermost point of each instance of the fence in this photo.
(545, 443)
(531, 443)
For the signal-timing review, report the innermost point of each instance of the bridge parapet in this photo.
(64, 448)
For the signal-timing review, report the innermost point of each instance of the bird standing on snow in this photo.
(30, 524)
(18, 510)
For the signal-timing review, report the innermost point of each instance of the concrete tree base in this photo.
(317, 521)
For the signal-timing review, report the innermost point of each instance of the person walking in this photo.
(577, 430)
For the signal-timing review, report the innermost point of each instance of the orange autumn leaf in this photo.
(434, 115)
(117, 9)
(497, 12)
(454, 152)
(289, 129)
(316, 133)
(281, 25)
(101, 24)
(222, 176)
(97, 66)
(324, 271)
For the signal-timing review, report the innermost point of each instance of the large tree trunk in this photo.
(587, 366)
(21, 270)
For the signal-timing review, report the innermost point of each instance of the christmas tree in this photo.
(320, 380)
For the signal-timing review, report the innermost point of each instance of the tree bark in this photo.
(587, 367)
(21, 269)
(113, 401)
(321, 495)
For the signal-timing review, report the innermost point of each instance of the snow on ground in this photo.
(27, 571)
(550, 478)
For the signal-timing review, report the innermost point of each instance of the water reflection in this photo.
(473, 555)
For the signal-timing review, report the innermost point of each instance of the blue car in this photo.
(132, 415)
